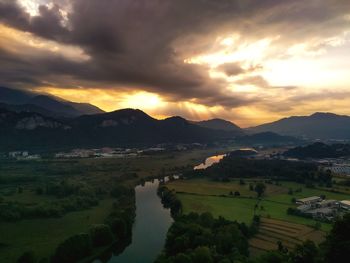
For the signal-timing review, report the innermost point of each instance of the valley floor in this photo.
(19, 181)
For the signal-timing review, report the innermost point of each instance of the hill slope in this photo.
(319, 150)
(54, 105)
(27, 130)
(219, 124)
(267, 138)
(316, 126)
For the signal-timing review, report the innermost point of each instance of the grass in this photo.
(43, 235)
(206, 187)
(240, 209)
(203, 195)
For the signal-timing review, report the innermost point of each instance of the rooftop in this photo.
(345, 202)
(309, 199)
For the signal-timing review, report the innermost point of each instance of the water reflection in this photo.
(150, 228)
(209, 161)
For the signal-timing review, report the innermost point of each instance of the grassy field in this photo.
(206, 187)
(43, 235)
(202, 195)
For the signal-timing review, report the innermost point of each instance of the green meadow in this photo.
(204, 195)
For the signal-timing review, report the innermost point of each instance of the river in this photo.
(209, 161)
(150, 228)
(151, 223)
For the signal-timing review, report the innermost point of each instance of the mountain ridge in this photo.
(319, 125)
(219, 124)
(27, 130)
(54, 105)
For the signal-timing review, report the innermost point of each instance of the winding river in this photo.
(151, 223)
(150, 228)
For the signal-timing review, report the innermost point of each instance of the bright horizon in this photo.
(247, 62)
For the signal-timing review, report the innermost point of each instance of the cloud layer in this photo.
(124, 45)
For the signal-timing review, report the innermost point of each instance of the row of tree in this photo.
(234, 167)
(170, 200)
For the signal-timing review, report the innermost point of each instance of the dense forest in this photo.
(234, 167)
(319, 150)
(201, 238)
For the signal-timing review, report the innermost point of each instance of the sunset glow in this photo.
(248, 73)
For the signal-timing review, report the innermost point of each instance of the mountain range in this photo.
(30, 130)
(219, 124)
(29, 120)
(324, 126)
(48, 105)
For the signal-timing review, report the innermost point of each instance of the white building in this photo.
(309, 200)
(345, 204)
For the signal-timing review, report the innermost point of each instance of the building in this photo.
(303, 208)
(327, 203)
(309, 200)
(17, 154)
(345, 204)
(322, 213)
(340, 169)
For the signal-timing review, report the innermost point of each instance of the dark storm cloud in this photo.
(142, 43)
(47, 24)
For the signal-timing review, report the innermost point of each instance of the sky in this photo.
(247, 61)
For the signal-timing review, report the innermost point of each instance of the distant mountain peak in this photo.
(219, 124)
(326, 115)
(320, 125)
(54, 106)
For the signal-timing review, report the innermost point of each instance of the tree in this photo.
(202, 255)
(272, 257)
(337, 243)
(101, 235)
(118, 227)
(182, 258)
(260, 189)
(305, 253)
(27, 257)
(73, 249)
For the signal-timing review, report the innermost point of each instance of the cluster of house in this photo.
(108, 152)
(23, 155)
(339, 166)
(340, 169)
(319, 208)
(101, 153)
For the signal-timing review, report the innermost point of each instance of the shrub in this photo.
(73, 249)
(101, 235)
(27, 257)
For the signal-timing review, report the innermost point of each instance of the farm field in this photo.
(272, 231)
(241, 209)
(203, 195)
